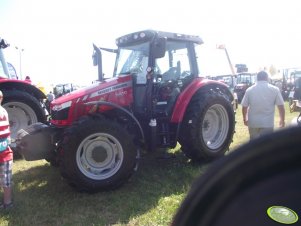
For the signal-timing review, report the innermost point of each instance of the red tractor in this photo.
(24, 102)
(155, 99)
(243, 82)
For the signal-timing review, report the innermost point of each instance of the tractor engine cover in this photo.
(35, 142)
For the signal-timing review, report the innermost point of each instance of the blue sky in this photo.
(57, 36)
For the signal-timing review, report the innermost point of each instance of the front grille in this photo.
(60, 115)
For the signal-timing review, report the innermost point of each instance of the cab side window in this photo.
(175, 64)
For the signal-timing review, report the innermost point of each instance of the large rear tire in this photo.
(98, 154)
(239, 189)
(208, 126)
(23, 110)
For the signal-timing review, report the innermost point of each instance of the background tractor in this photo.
(295, 95)
(62, 89)
(23, 101)
(294, 85)
(243, 82)
(285, 81)
(155, 99)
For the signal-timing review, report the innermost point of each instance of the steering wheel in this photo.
(171, 74)
(185, 74)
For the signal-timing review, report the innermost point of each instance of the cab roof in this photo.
(147, 35)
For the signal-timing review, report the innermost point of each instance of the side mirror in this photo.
(159, 48)
(97, 61)
(94, 58)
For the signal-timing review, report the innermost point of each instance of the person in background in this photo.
(27, 78)
(6, 158)
(50, 96)
(258, 106)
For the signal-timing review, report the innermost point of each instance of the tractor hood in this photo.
(85, 93)
(76, 93)
(71, 106)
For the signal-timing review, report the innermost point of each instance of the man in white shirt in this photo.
(258, 106)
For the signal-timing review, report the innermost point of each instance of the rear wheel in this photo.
(98, 154)
(23, 110)
(208, 126)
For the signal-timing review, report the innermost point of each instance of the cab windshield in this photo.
(246, 79)
(132, 59)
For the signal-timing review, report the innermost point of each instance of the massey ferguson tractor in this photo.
(24, 102)
(155, 99)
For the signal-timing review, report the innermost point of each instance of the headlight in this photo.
(62, 106)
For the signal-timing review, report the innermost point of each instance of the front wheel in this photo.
(98, 154)
(208, 126)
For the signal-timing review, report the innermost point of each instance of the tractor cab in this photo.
(295, 79)
(161, 64)
(7, 70)
(4, 70)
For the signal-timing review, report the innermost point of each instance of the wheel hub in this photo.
(99, 154)
(206, 125)
(20, 116)
(215, 126)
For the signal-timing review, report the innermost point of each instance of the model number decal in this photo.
(111, 89)
(122, 93)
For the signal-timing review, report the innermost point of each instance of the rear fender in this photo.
(185, 97)
(22, 85)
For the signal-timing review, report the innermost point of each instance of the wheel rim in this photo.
(99, 156)
(215, 126)
(20, 116)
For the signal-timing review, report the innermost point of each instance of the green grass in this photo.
(151, 197)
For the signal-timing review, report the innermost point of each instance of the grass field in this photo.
(151, 197)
